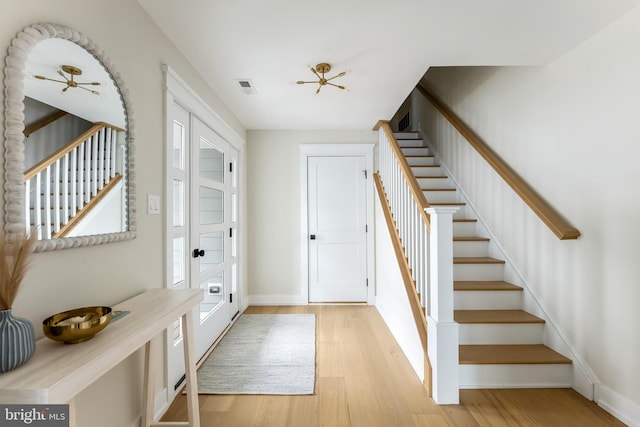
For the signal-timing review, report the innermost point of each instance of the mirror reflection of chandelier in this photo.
(320, 71)
(70, 81)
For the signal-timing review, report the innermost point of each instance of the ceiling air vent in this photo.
(247, 86)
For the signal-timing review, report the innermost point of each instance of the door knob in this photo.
(198, 252)
(312, 237)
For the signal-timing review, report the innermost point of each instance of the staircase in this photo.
(63, 188)
(500, 344)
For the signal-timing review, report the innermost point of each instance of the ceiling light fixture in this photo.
(70, 81)
(320, 71)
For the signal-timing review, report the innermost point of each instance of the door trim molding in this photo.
(319, 150)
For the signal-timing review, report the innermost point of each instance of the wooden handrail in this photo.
(48, 161)
(39, 124)
(412, 182)
(75, 220)
(556, 223)
(409, 284)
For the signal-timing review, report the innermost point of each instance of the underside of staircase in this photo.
(500, 344)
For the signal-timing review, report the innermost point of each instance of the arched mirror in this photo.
(69, 167)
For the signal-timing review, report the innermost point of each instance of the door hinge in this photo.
(230, 298)
(231, 232)
(230, 166)
(365, 173)
(367, 282)
(366, 228)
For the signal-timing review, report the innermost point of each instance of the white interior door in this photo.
(202, 210)
(337, 227)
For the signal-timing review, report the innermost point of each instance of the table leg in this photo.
(190, 369)
(148, 392)
(72, 413)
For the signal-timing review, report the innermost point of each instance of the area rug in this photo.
(263, 354)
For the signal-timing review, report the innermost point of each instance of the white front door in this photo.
(210, 232)
(202, 211)
(337, 225)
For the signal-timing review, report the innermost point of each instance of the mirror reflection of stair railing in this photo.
(62, 189)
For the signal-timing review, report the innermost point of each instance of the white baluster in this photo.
(100, 159)
(94, 164)
(81, 175)
(47, 202)
(55, 194)
(65, 189)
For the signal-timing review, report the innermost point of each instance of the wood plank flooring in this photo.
(364, 379)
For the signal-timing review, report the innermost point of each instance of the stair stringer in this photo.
(584, 379)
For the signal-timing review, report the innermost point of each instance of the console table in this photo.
(57, 372)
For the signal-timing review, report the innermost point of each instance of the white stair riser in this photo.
(469, 249)
(420, 161)
(501, 333)
(464, 228)
(426, 171)
(478, 271)
(406, 134)
(434, 182)
(487, 300)
(415, 151)
(441, 196)
(515, 376)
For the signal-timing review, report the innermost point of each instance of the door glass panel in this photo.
(234, 242)
(178, 261)
(213, 246)
(211, 206)
(211, 161)
(213, 294)
(178, 145)
(234, 278)
(178, 203)
(234, 174)
(234, 208)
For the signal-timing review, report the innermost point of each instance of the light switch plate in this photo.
(153, 204)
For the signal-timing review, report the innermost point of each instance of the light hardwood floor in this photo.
(364, 379)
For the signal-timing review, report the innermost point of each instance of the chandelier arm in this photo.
(89, 90)
(51, 80)
(338, 86)
(303, 82)
(336, 76)
(316, 73)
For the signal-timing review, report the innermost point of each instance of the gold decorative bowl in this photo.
(76, 325)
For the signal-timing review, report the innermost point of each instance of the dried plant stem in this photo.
(14, 261)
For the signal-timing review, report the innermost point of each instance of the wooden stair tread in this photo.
(509, 354)
(470, 239)
(477, 260)
(465, 220)
(448, 204)
(495, 316)
(484, 285)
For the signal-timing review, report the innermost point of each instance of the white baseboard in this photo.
(618, 405)
(268, 299)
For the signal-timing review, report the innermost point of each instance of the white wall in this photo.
(571, 130)
(78, 277)
(273, 208)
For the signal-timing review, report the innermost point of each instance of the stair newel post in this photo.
(442, 329)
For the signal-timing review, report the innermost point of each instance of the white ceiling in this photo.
(388, 46)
